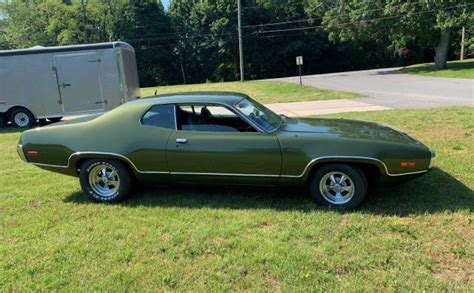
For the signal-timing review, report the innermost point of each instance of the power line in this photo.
(320, 18)
(274, 5)
(362, 20)
(178, 34)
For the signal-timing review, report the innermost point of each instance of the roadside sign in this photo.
(299, 60)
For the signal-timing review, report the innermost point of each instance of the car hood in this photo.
(345, 128)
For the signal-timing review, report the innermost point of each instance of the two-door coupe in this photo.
(224, 138)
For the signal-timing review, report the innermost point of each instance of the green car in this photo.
(223, 138)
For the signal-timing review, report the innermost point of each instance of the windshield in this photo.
(259, 114)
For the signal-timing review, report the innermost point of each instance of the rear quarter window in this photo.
(160, 116)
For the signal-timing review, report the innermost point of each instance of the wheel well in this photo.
(371, 171)
(126, 164)
(7, 114)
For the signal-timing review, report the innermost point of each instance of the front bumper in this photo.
(21, 153)
(432, 159)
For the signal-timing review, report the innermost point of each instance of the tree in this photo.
(398, 24)
(54, 22)
(206, 38)
(469, 29)
(196, 40)
(273, 39)
(29, 23)
(145, 25)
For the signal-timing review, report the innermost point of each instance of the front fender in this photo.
(344, 159)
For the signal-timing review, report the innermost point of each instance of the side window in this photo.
(210, 118)
(160, 116)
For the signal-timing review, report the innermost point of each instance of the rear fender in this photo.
(77, 159)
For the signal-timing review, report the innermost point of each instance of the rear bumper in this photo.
(21, 153)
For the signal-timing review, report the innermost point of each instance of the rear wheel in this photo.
(21, 118)
(339, 186)
(105, 180)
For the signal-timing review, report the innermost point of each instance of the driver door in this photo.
(220, 148)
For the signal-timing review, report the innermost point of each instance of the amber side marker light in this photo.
(33, 153)
(408, 164)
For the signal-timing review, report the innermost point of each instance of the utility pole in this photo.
(463, 36)
(241, 48)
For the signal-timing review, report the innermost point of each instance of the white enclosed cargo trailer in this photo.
(52, 82)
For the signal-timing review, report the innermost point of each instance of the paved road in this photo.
(384, 89)
(387, 88)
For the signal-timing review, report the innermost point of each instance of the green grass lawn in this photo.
(456, 69)
(417, 236)
(262, 91)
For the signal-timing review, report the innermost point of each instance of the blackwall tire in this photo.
(338, 186)
(105, 180)
(21, 118)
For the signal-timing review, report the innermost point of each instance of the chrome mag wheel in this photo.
(104, 180)
(337, 188)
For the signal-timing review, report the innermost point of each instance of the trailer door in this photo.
(79, 82)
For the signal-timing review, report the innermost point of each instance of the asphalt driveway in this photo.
(389, 89)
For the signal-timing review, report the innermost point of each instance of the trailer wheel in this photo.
(55, 119)
(21, 118)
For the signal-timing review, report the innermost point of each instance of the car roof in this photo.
(227, 98)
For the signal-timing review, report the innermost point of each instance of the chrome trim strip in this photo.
(231, 174)
(116, 155)
(224, 174)
(152, 172)
(228, 107)
(408, 173)
(100, 153)
(21, 153)
(50, 166)
(175, 113)
(350, 157)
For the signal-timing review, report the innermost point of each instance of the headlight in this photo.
(433, 158)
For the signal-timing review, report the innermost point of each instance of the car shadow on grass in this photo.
(432, 193)
(435, 192)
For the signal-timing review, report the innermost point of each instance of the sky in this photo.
(166, 3)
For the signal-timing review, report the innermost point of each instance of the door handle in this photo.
(181, 140)
(65, 85)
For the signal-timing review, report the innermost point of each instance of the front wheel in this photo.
(339, 186)
(105, 180)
